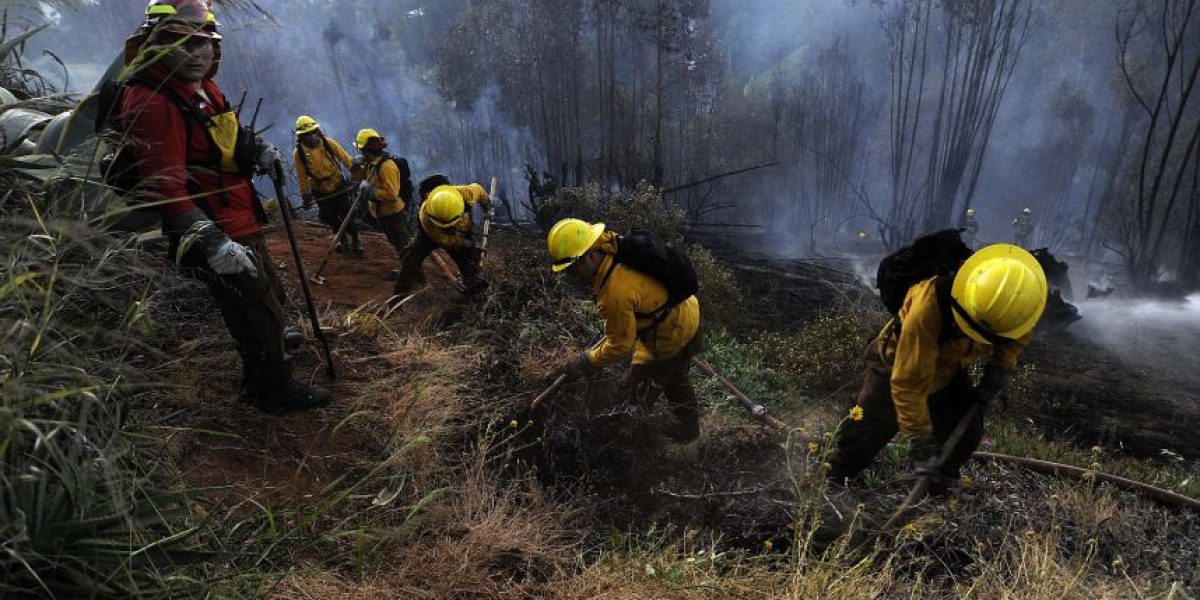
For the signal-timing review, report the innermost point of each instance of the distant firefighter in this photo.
(319, 161)
(1023, 227)
(970, 228)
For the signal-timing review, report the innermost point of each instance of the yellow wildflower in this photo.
(512, 424)
(856, 413)
(813, 447)
(966, 482)
(768, 546)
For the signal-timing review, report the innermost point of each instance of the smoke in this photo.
(1158, 335)
(350, 66)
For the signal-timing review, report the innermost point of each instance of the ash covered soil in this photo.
(740, 482)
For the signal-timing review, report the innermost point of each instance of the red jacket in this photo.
(156, 123)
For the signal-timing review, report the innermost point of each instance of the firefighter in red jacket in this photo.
(197, 161)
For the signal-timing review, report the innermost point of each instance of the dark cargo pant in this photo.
(251, 309)
(332, 209)
(672, 378)
(859, 441)
(395, 227)
(420, 248)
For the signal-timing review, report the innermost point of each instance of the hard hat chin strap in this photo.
(992, 338)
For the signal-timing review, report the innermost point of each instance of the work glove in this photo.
(923, 455)
(991, 386)
(309, 200)
(265, 157)
(224, 256)
(581, 367)
(365, 187)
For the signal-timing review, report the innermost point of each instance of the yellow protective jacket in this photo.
(317, 171)
(384, 176)
(625, 294)
(457, 236)
(921, 366)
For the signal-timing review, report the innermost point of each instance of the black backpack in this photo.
(934, 254)
(647, 253)
(406, 184)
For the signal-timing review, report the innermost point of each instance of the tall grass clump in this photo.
(81, 512)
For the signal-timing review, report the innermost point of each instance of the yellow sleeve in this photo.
(388, 187)
(474, 194)
(620, 325)
(1006, 355)
(916, 364)
(340, 153)
(301, 172)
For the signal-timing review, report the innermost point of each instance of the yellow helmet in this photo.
(570, 239)
(999, 294)
(364, 136)
(306, 124)
(445, 206)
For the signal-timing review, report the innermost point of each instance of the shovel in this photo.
(487, 222)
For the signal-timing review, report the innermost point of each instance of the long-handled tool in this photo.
(447, 271)
(487, 222)
(286, 210)
(921, 487)
(316, 278)
(756, 410)
(549, 391)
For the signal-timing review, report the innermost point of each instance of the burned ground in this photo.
(462, 371)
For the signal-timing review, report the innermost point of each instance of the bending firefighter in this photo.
(386, 182)
(322, 181)
(445, 223)
(640, 317)
(193, 156)
(916, 368)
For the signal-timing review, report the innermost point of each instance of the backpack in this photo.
(934, 254)
(406, 184)
(647, 253)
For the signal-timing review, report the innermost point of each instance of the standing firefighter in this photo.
(192, 155)
(322, 181)
(446, 223)
(645, 292)
(387, 185)
(945, 317)
(1023, 227)
(970, 228)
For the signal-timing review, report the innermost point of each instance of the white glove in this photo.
(268, 154)
(365, 187)
(225, 256)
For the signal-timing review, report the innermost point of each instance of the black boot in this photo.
(359, 251)
(293, 396)
(292, 338)
(686, 427)
(273, 390)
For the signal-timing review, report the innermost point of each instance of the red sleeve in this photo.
(157, 127)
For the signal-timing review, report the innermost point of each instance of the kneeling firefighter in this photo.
(645, 292)
(445, 223)
(950, 307)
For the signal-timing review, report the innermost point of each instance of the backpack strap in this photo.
(189, 110)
